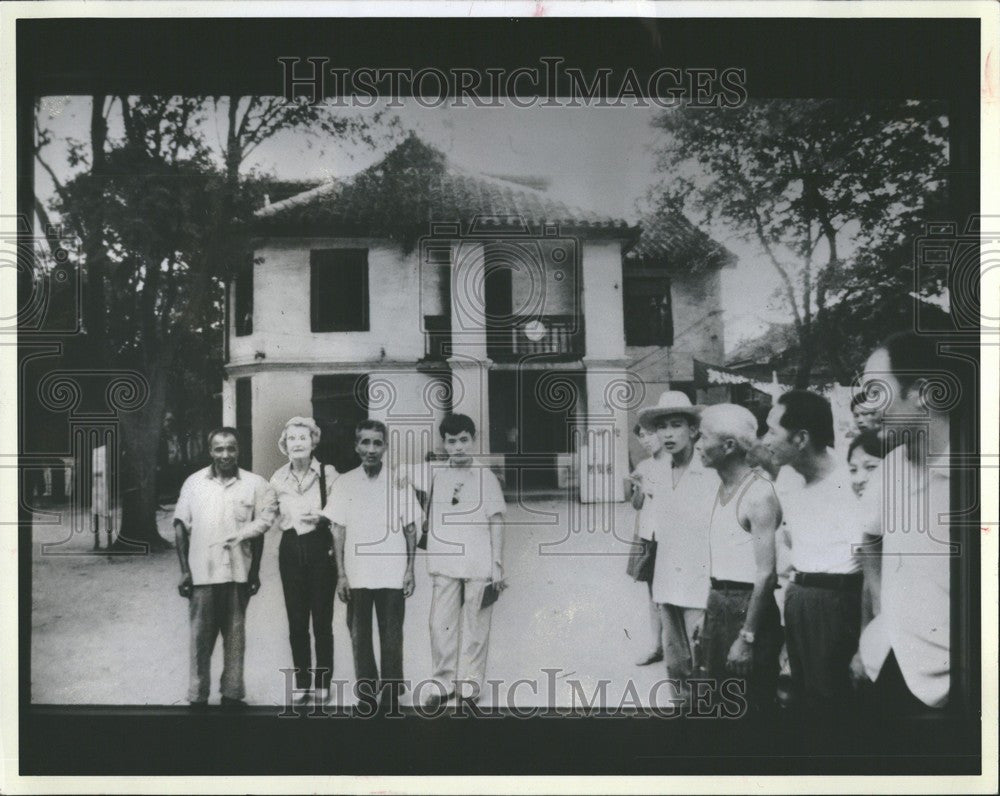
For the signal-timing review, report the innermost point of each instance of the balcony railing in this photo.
(545, 336)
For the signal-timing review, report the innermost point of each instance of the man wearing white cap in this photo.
(681, 505)
(742, 635)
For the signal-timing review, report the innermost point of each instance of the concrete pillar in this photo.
(229, 401)
(604, 448)
(469, 362)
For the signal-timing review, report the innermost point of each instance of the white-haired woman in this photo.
(305, 557)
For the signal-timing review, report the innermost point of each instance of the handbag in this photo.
(642, 557)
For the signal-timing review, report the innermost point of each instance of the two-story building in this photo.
(416, 288)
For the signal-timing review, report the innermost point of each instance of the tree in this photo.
(161, 216)
(819, 185)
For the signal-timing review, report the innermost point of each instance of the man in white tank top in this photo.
(742, 635)
(823, 600)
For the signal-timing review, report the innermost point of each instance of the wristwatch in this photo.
(747, 636)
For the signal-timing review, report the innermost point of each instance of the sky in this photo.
(601, 159)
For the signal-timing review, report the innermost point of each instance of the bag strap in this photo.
(322, 484)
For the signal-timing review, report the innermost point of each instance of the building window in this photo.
(243, 299)
(339, 403)
(339, 290)
(648, 312)
(244, 421)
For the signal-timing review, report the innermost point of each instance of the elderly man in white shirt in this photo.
(905, 650)
(374, 539)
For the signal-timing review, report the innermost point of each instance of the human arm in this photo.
(638, 495)
(410, 534)
(182, 540)
(760, 514)
(343, 586)
(496, 550)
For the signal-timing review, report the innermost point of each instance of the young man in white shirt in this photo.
(682, 506)
(464, 559)
(374, 540)
(906, 649)
(823, 600)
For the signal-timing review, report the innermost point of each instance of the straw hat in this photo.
(672, 402)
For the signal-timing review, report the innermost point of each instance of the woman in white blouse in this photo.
(305, 556)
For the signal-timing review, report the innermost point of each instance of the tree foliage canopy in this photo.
(830, 190)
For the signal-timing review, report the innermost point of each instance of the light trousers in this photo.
(460, 634)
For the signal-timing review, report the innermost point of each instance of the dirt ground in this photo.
(113, 630)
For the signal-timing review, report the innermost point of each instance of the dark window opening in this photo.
(648, 312)
(339, 290)
(243, 300)
(339, 403)
(244, 421)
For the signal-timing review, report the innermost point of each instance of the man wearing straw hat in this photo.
(682, 506)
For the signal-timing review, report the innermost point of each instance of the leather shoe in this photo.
(435, 700)
(654, 657)
(228, 703)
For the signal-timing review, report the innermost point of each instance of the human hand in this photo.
(408, 583)
(740, 658)
(343, 589)
(497, 576)
(253, 583)
(185, 587)
(859, 676)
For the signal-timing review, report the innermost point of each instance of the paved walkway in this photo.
(113, 630)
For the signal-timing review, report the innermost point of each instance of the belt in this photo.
(827, 580)
(731, 585)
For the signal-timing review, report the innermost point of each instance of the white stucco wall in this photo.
(602, 300)
(277, 397)
(281, 324)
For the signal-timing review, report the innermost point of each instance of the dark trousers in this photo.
(389, 607)
(308, 579)
(213, 609)
(725, 616)
(891, 697)
(822, 627)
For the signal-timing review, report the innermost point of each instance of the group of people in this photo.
(768, 546)
(774, 541)
(354, 535)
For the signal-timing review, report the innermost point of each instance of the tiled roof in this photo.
(435, 191)
(669, 239)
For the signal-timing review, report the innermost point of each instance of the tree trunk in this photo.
(140, 437)
(807, 357)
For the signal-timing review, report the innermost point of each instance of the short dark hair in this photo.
(858, 400)
(912, 356)
(455, 424)
(869, 442)
(227, 430)
(807, 411)
(371, 425)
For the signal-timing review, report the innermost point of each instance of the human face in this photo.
(711, 447)
(861, 466)
(459, 447)
(878, 379)
(650, 440)
(867, 419)
(225, 451)
(298, 442)
(782, 444)
(760, 456)
(676, 434)
(370, 447)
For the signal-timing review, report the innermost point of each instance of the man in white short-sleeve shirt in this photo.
(374, 540)
(906, 649)
(464, 559)
(218, 521)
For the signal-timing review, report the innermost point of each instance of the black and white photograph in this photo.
(555, 389)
